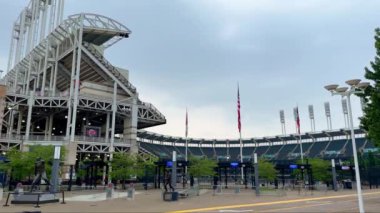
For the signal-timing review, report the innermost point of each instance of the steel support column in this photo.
(113, 121)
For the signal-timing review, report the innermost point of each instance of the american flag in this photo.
(298, 121)
(238, 109)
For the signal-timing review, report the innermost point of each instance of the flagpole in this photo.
(301, 146)
(241, 157)
(241, 142)
(186, 144)
(298, 127)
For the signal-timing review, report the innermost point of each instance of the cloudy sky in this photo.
(192, 53)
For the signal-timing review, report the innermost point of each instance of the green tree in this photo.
(128, 166)
(267, 170)
(46, 153)
(21, 164)
(371, 119)
(201, 166)
(320, 168)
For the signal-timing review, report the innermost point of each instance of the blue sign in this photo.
(234, 164)
(169, 164)
(293, 166)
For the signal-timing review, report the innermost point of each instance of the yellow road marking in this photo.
(270, 203)
(295, 207)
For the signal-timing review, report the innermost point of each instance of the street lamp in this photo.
(356, 87)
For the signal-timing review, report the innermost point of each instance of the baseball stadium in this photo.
(60, 90)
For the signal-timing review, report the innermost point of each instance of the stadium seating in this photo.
(328, 148)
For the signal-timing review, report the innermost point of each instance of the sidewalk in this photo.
(151, 201)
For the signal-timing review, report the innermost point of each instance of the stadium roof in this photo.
(142, 134)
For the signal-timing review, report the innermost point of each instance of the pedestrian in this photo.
(168, 181)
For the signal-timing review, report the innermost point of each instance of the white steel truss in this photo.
(57, 74)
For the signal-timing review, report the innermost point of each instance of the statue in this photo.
(40, 173)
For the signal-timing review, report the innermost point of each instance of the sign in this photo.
(169, 164)
(293, 166)
(345, 168)
(92, 131)
(234, 164)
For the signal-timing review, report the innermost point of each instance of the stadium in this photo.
(60, 90)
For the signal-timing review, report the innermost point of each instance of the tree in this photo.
(267, 170)
(371, 119)
(201, 166)
(320, 169)
(128, 166)
(44, 152)
(21, 164)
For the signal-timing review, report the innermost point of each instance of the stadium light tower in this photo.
(356, 87)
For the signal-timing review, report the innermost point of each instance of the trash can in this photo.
(174, 196)
(170, 196)
(347, 184)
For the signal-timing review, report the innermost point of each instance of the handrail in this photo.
(153, 108)
(109, 66)
(81, 138)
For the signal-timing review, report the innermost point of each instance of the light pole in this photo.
(356, 87)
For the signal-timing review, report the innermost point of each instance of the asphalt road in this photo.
(327, 203)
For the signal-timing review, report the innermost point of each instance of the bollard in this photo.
(63, 198)
(237, 189)
(219, 189)
(109, 191)
(1, 192)
(131, 192)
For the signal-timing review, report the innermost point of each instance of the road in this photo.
(337, 203)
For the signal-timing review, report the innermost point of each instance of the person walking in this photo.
(168, 181)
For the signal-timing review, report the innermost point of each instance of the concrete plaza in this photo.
(227, 201)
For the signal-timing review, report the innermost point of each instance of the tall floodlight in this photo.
(355, 88)
(345, 112)
(38, 19)
(328, 115)
(295, 113)
(311, 116)
(282, 120)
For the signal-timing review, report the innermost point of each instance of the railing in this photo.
(38, 197)
(52, 138)
(109, 66)
(153, 108)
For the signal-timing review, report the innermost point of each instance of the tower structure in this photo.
(60, 89)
